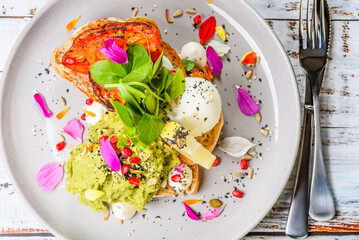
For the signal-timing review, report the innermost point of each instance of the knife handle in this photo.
(297, 223)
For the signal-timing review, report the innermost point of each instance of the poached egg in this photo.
(199, 108)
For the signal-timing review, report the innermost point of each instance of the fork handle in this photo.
(297, 223)
(321, 207)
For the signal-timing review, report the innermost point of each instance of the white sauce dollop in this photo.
(96, 108)
(185, 182)
(199, 108)
(123, 210)
(194, 52)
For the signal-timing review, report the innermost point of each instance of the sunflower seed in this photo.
(136, 171)
(252, 154)
(164, 184)
(155, 5)
(135, 11)
(178, 13)
(106, 215)
(250, 174)
(264, 132)
(258, 58)
(238, 174)
(258, 117)
(191, 11)
(84, 150)
(249, 74)
(60, 137)
(142, 210)
(62, 102)
(247, 157)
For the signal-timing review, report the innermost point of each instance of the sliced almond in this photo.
(152, 181)
(258, 117)
(164, 184)
(120, 221)
(178, 13)
(247, 157)
(249, 74)
(191, 11)
(250, 173)
(264, 132)
(135, 11)
(238, 174)
(62, 102)
(106, 215)
(61, 137)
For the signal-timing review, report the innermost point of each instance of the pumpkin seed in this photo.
(238, 174)
(250, 174)
(142, 210)
(249, 74)
(215, 203)
(135, 11)
(178, 13)
(258, 117)
(247, 157)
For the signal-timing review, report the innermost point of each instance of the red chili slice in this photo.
(207, 29)
(244, 164)
(197, 20)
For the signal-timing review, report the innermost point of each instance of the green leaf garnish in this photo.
(188, 65)
(150, 128)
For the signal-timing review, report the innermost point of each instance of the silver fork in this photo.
(313, 59)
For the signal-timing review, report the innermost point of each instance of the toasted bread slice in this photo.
(83, 82)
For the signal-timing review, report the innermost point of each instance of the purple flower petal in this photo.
(113, 52)
(178, 168)
(75, 129)
(245, 102)
(109, 156)
(41, 104)
(213, 213)
(190, 213)
(49, 176)
(214, 61)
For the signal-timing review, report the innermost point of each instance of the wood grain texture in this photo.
(339, 104)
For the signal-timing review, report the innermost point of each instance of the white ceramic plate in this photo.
(275, 87)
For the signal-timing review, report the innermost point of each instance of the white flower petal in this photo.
(235, 146)
(220, 48)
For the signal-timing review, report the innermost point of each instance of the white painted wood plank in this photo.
(270, 9)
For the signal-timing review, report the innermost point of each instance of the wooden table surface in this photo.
(339, 119)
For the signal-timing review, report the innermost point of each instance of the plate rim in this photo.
(263, 22)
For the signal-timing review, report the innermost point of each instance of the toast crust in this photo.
(83, 83)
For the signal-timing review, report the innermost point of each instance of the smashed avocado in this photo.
(87, 170)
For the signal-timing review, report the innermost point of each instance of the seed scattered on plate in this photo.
(264, 132)
(158, 218)
(135, 11)
(249, 74)
(40, 118)
(215, 203)
(247, 157)
(258, 117)
(155, 5)
(120, 221)
(106, 215)
(142, 210)
(250, 174)
(60, 137)
(145, 219)
(62, 102)
(191, 11)
(201, 197)
(54, 78)
(268, 149)
(230, 177)
(252, 154)
(179, 228)
(129, 234)
(258, 58)
(238, 174)
(72, 146)
(48, 89)
(178, 13)
(166, 31)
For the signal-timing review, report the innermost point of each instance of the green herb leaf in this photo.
(134, 113)
(137, 56)
(142, 74)
(138, 94)
(130, 99)
(177, 86)
(107, 72)
(122, 141)
(122, 113)
(188, 65)
(168, 77)
(157, 65)
(150, 128)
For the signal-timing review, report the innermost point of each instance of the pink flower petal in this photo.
(75, 129)
(109, 156)
(190, 213)
(178, 168)
(49, 176)
(214, 61)
(41, 104)
(213, 213)
(113, 52)
(245, 102)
